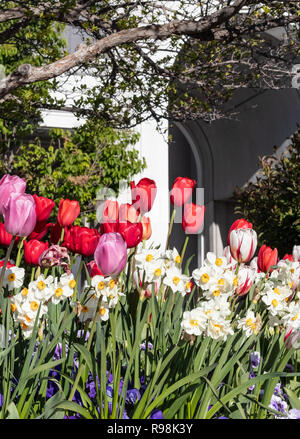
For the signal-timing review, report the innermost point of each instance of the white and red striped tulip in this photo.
(243, 243)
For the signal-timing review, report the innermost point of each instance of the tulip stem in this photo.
(62, 235)
(19, 255)
(184, 249)
(170, 227)
(6, 261)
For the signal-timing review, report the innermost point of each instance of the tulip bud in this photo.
(68, 211)
(266, 258)
(147, 229)
(245, 278)
(8, 185)
(181, 191)
(292, 339)
(111, 254)
(44, 207)
(193, 217)
(143, 194)
(33, 250)
(19, 214)
(238, 224)
(243, 243)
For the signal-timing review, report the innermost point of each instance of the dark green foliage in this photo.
(272, 203)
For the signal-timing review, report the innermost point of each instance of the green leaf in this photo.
(12, 411)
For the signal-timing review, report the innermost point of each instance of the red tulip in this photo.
(55, 233)
(266, 258)
(81, 240)
(9, 264)
(193, 217)
(127, 212)
(68, 211)
(43, 207)
(181, 191)
(147, 229)
(143, 194)
(110, 217)
(33, 250)
(289, 257)
(93, 269)
(132, 233)
(40, 230)
(238, 224)
(5, 237)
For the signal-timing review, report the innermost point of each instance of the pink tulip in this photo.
(111, 254)
(8, 184)
(19, 214)
(243, 243)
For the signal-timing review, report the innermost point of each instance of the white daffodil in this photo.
(176, 280)
(292, 318)
(88, 309)
(61, 291)
(275, 301)
(42, 287)
(68, 281)
(99, 285)
(217, 264)
(172, 258)
(194, 321)
(218, 328)
(144, 258)
(14, 277)
(155, 271)
(103, 312)
(249, 324)
(204, 277)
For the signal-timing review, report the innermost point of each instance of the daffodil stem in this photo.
(88, 347)
(170, 228)
(7, 256)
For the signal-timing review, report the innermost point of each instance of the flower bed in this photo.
(133, 334)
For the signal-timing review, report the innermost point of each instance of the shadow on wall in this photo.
(224, 154)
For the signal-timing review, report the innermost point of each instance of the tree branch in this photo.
(85, 53)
